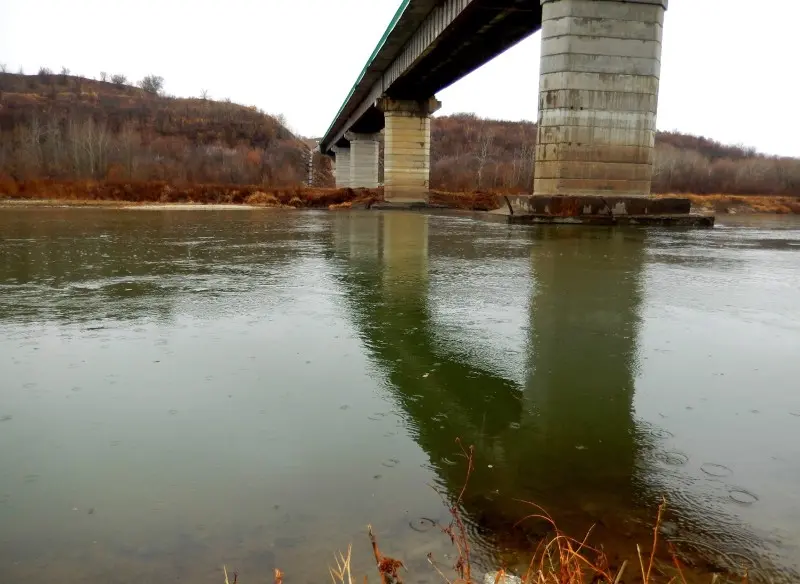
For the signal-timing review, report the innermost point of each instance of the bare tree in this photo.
(119, 79)
(21, 71)
(64, 70)
(152, 84)
(103, 76)
(485, 144)
(204, 94)
(3, 68)
(44, 71)
(92, 140)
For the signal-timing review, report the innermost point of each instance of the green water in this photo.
(183, 389)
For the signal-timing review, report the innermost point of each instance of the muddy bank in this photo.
(148, 194)
(158, 193)
(734, 204)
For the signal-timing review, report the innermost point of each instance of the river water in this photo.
(185, 389)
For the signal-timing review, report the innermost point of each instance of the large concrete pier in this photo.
(598, 96)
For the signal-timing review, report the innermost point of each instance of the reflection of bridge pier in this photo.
(578, 445)
(565, 438)
(405, 252)
(562, 433)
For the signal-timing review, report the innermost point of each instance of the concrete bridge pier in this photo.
(598, 95)
(407, 149)
(363, 160)
(342, 166)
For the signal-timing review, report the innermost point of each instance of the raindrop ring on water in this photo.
(673, 458)
(716, 470)
(422, 524)
(742, 496)
(661, 433)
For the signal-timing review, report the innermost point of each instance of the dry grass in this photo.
(110, 192)
(79, 192)
(744, 203)
(558, 559)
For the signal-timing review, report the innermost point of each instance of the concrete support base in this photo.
(610, 210)
(407, 149)
(342, 167)
(363, 160)
(598, 94)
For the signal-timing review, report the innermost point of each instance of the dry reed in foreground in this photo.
(561, 559)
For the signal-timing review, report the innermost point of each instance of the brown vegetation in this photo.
(65, 127)
(83, 192)
(557, 559)
(164, 192)
(744, 204)
(473, 154)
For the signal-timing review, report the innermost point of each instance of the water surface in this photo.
(183, 389)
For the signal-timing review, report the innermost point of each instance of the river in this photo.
(182, 389)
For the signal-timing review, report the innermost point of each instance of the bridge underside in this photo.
(479, 32)
(599, 76)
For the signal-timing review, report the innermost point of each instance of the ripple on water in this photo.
(715, 470)
(660, 433)
(422, 524)
(673, 458)
(742, 496)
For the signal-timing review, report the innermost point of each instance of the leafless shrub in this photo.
(152, 84)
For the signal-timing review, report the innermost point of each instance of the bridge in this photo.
(598, 92)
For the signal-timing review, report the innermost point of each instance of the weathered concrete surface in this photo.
(683, 220)
(363, 160)
(598, 96)
(407, 149)
(341, 167)
(592, 205)
(598, 210)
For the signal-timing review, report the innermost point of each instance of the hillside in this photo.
(67, 127)
(469, 153)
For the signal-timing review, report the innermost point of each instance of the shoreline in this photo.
(208, 197)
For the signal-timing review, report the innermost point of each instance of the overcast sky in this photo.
(729, 67)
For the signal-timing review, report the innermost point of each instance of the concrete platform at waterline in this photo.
(602, 210)
(580, 210)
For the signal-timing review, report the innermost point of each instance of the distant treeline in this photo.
(470, 153)
(62, 127)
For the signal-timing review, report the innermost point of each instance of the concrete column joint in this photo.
(663, 3)
(418, 108)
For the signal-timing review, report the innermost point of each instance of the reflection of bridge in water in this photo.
(566, 436)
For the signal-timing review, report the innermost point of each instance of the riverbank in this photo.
(157, 194)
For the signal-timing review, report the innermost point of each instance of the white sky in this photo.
(729, 67)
